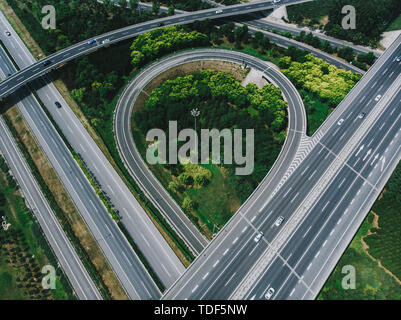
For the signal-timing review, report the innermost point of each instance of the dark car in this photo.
(160, 24)
(58, 104)
(47, 63)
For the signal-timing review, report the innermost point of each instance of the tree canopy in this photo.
(321, 78)
(156, 43)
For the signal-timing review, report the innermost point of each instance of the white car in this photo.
(7, 33)
(269, 293)
(279, 221)
(219, 11)
(258, 237)
(276, 1)
(378, 97)
(106, 41)
(362, 115)
(340, 122)
(398, 59)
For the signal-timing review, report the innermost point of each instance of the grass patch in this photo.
(216, 210)
(309, 13)
(316, 111)
(396, 25)
(372, 282)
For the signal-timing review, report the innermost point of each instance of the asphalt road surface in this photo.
(80, 281)
(139, 169)
(125, 263)
(146, 236)
(297, 257)
(37, 69)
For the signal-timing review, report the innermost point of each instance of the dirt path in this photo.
(366, 247)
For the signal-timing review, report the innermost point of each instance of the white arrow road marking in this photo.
(360, 149)
(375, 158)
(367, 155)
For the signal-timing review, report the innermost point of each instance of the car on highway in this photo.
(340, 122)
(106, 41)
(47, 63)
(258, 236)
(269, 293)
(398, 59)
(276, 1)
(279, 221)
(219, 11)
(378, 97)
(58, 104)
(160, 24)
(362, 115)
(92, 41)
(7, 33)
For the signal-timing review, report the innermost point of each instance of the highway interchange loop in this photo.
(143, 175)
(335, 138)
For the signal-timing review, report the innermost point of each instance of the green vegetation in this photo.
(92, 180)
(224, 103)
(378, 240)
(372, 282)
(385, 241)
(94, 81)
(186, 5)
(23, 249)
(316, 111)
(190, 5)
(327, 82)
(77, 20)
(373, 17)
(396, 25)
(310, 13)
(150, 45)
(59, 212)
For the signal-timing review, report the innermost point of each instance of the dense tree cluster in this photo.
(156, 43)
(372, 18)
(362, 61)
(192, 5)
(223, 103)
(320, 78)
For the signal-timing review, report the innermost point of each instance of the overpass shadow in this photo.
(23, 92)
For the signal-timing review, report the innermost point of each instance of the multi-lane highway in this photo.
(158, 253)
(146, 236)
(256, 21)
(321, 210)
(139, 169)
(37, 69)
(119, 253)
(81, 282)
(233, 265)
(260, 25)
